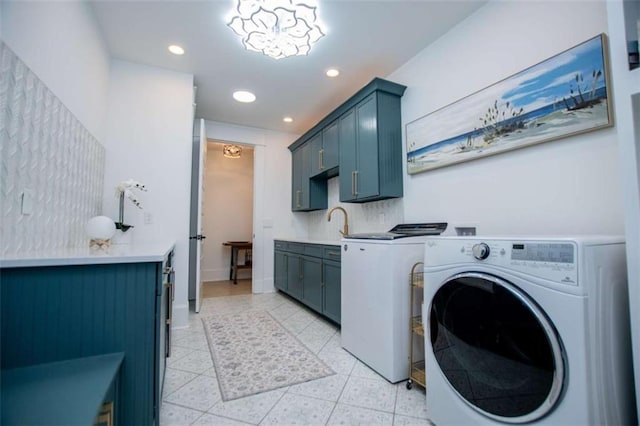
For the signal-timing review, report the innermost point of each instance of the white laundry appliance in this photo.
(525, 330)
(375, 310)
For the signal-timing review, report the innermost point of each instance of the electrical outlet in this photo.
(465, 230)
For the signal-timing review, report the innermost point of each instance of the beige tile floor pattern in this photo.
(355, 395)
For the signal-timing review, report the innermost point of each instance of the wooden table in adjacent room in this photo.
(236, 246)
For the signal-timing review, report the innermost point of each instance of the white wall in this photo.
(627, 105)
(148, 138)
(272, 193)
(62, 45)
(228, 210)
(569, 186)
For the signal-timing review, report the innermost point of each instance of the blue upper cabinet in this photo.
(348, 163)
(330, 146)
(324, 152)
(361, 141)
(306, 194)
(371, 150)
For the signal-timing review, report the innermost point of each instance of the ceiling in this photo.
(364, 39)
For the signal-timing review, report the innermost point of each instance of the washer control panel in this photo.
(552, 260)
(543, 252)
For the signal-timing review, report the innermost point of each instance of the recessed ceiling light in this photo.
(332, 72)
(176, 50)
(288, 120)
(244, 96)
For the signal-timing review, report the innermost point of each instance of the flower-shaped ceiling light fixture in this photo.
(277, 28)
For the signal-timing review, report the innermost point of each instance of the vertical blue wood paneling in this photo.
(56, 313)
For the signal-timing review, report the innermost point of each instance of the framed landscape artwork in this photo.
(565, 95)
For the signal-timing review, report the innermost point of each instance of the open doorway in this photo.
(262, 253)
(228, 220)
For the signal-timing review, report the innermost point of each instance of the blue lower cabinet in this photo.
(312, 282)
(280, 270)
(331, 302)
(294, 275)
(58, 313)
(313, 278)
(71, 392)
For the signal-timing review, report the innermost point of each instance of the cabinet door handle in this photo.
(353, 184)
(333, 253)
(300, 269)
(355, 174)
(321, 160)
(169, 319)
(170, 307)
(298, 192)
(168, 348)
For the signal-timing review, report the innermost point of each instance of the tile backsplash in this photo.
(376, 216)
(46, 152)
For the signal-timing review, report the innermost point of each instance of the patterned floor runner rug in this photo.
(253, 353)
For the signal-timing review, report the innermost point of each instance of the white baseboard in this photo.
(180, 317)
(265, 286)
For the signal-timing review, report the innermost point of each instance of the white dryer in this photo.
(527, 330)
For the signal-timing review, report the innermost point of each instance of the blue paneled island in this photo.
(71, 304)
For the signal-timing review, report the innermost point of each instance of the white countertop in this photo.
(118, 253)
(307, 241)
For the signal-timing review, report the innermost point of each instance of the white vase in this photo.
(122, 237)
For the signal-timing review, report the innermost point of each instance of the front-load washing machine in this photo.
(527, 330)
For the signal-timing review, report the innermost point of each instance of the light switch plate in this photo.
(27, 201)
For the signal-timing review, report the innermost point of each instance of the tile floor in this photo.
(355, 395)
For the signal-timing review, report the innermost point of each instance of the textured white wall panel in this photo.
(44, 149)
(376, 216)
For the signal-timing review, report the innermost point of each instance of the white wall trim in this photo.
(265, 143)
(181, 311)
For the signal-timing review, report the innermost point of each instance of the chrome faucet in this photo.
(345, 230)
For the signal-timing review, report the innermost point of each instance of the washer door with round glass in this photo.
(496, 347)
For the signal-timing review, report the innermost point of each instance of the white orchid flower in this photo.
(125, 187)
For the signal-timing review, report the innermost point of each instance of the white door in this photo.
(200, 217)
